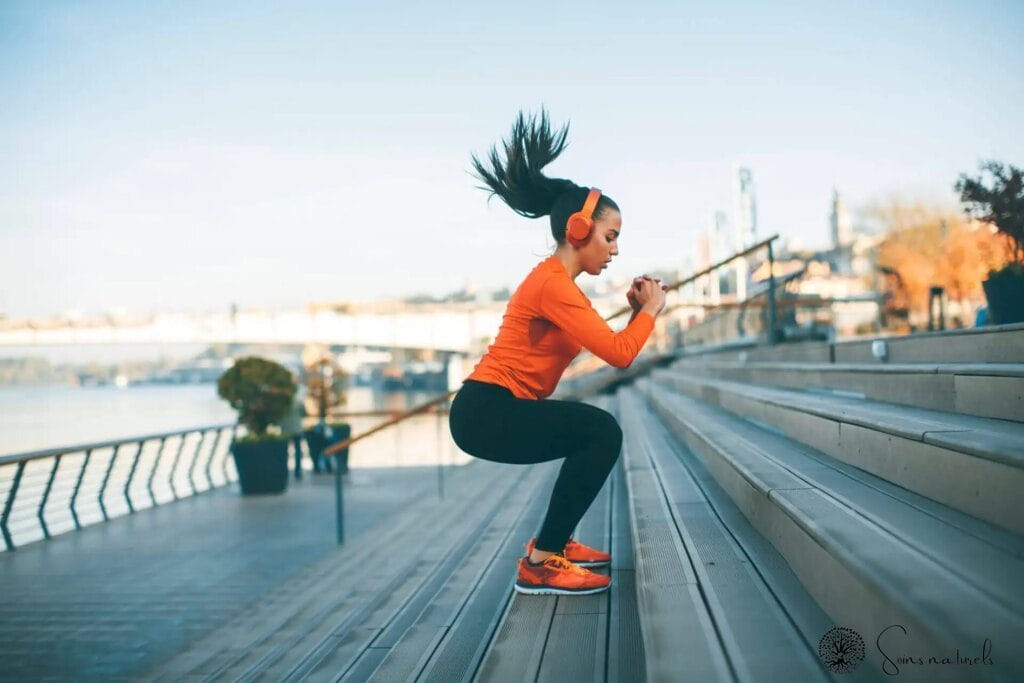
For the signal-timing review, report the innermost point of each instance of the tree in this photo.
(927, 245)
(325, 381)
(1001, 204)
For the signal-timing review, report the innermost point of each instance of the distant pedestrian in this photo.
(291, 426)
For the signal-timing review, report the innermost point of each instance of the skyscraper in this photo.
(718, 249)
(744, 207)
(839, 222)
(745, 218)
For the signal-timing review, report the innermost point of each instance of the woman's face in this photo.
(603, 243)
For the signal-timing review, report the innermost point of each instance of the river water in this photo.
(39, 417)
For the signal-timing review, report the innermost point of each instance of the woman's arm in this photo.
(562, 302)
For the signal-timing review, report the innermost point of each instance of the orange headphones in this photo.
(579, 225)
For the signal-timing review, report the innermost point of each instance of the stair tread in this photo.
(934, 597)
(989, 369)
(756, 629)
(880, 510)
(998, 440)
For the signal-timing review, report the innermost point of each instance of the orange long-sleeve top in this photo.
(547, 322)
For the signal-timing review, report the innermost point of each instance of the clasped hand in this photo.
(646, 293)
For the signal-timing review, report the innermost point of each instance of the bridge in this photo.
(453, 328)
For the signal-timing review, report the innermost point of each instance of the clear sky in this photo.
(185, 155)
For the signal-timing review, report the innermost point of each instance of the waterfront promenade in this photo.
(111, 600)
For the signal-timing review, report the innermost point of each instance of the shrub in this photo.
(260, 390)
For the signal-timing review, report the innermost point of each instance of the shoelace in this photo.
(563, 563)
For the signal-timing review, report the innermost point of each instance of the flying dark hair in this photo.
(519, 182)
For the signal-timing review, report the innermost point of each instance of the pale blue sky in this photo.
(184, 155)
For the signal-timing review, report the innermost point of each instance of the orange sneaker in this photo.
(577, 553)
(558, 576)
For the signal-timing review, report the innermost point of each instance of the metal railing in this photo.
(55, 490)
(434, 405)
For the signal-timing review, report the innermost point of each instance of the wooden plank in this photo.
(577, 638)
(459, 654)
(759, 637)
(678, 632)
(441, 545)
(299, 596)
(485, 555)
(625, 640)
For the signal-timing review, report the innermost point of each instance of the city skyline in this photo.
(186, 157)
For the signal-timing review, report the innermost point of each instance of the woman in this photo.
(500, 413)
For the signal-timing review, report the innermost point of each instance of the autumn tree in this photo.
(930, 245)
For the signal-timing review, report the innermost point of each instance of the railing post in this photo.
(106, 478)
(440, 467)
(10, 504)
(234, 435)
(46, 496)
(174, 465)
(195, 459)
(772, 337)
(339, 502)
(152, 472)
(78, 485)
(213, 454)
(131, 475)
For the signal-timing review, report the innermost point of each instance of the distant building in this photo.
(720, 248)
(745, 218)
(839, 222)
(744, 208)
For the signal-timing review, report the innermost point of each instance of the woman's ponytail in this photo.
(518, 180)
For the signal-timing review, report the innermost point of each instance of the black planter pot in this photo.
(262, 465)
(1005, 294)
(317, 441)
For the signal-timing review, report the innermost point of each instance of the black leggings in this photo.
(488, 421)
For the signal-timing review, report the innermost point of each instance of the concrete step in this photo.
(715, 601)
(870, 553)
(992, 344)
(993, 390)
(973, 464)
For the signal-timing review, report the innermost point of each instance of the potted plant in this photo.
(261, 391)
(1002, 206)
(325, 381)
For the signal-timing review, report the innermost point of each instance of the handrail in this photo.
(50, 452)
(366, 413)
(341, 445)
(750, 302)
(123, 477)
(699, 274)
